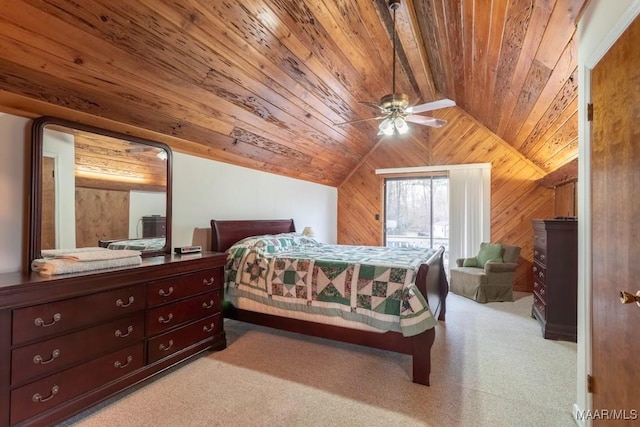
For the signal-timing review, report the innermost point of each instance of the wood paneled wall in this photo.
(516, 197)
(565, 199)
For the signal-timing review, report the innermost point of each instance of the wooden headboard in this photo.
(225, 233)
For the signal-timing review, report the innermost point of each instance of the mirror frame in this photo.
(35, 200)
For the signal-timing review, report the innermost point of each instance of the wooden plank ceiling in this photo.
(262, 84)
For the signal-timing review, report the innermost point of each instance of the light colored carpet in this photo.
(491, 367)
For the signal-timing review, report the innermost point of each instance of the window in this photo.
(467, 203)
(417, 211)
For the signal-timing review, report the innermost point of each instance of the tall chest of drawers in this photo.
(71, 341)
(555, 274)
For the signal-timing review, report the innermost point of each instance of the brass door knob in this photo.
(628, 298)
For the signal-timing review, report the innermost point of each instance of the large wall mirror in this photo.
(95, 188)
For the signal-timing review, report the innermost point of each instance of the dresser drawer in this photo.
(62, 352)
(540, 290)
(178, 339)
(44, 320)
(172, 289)
(539, 273)
(540, 247)
(31, 399)
(540, 306)
(165, 317)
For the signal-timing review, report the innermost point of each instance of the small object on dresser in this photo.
(188, 249)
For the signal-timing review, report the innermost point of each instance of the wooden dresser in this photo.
(154, 226)
(555, 273)
(68, 342)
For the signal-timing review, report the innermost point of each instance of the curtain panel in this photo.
(469, 210)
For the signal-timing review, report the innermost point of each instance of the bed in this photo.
(141, 244)
(351, 320)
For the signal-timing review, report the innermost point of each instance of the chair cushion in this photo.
(470, 262)
(489, 252)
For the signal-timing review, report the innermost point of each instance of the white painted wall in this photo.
(206, 190)
(601, 24)
(144, 203)
(202, 190)
(14, 191)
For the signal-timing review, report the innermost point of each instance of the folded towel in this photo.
(51, 266)
(50, 253)
(101, 255)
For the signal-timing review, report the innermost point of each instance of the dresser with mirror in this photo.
(69, 341)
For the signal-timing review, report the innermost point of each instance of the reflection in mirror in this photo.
(98, 188)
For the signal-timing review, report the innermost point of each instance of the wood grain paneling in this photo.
(264, 84)
(101, 215)
(104, 162)
(565, 199)
(516, 197)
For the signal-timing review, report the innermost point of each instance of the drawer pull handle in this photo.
(208, 282)
(165, 348)
(161, 319)
(207, 330)
(40, 322)
(208, 305)
(164, 293)
(542, 257)
(119, 333)
(541, 275)
(120, 303)
(119, 365)
(38, 397)
(38, 360)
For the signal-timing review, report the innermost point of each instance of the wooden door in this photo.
(48, 227)
(615, 181)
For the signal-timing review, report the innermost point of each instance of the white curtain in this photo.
(469, 210)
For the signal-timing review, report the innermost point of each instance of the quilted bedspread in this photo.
(367, 284)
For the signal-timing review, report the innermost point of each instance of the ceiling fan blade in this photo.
(430, 106)
(427, 121)
(372, 105)
(362, 120)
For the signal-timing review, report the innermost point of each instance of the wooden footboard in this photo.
(431, 280)
(419, 346)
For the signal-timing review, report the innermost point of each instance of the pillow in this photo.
(489, 252)
(470, 262)
(271, 243)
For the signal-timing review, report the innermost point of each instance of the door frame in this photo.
(601, 24)
(56, 208)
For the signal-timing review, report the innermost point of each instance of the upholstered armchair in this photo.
(488, 276)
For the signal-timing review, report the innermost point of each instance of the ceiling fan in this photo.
(395, 108)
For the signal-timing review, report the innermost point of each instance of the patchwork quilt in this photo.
(367, 284)
(146, 244)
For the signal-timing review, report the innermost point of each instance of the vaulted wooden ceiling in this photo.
(263, 84)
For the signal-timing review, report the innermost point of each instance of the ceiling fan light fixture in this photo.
(386, 127)
(395, 108)
(400, 125)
